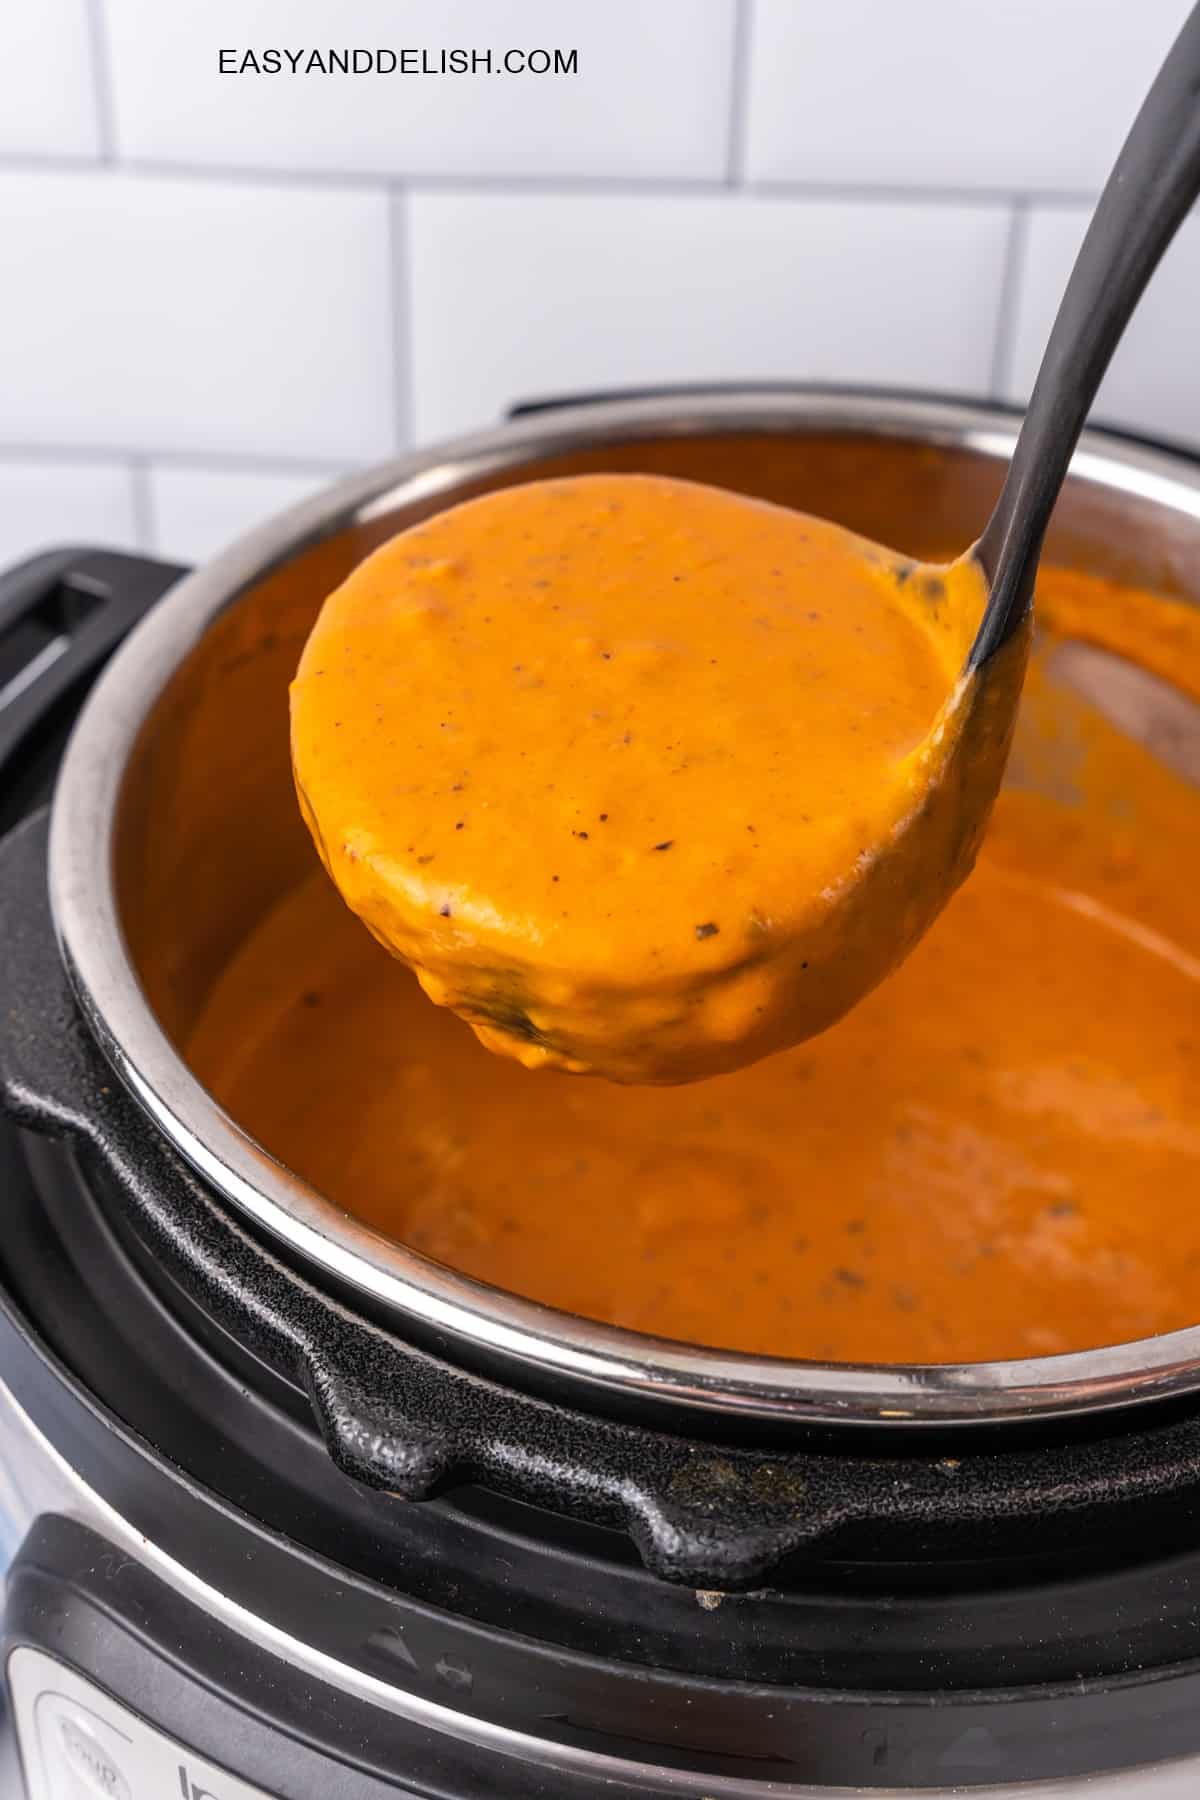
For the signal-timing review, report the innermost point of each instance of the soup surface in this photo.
(641, 776)
(996, 1154)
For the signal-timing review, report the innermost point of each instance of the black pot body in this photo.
(259, 1543)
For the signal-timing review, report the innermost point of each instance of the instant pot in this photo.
(288, 1510)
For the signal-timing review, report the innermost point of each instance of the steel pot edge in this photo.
(491, 1324)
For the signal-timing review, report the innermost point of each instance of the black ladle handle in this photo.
(1147, 196)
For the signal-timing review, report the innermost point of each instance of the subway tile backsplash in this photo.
(197, 510)
(651, 96)
(49, 84)
(1154, 381)
(147, 312)
(218, 290)
(46, 501)
(1033, 95)
(623, 290)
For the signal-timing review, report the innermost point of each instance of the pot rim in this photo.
(493, 1325)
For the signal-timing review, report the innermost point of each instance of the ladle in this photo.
(633, 967)
(1149, 193)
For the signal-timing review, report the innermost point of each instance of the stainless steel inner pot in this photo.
(175, 829)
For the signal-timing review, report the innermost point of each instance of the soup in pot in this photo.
(997, 1154)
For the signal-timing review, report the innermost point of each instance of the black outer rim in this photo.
(817, 1734)
(398, 1417)
(524, 1674)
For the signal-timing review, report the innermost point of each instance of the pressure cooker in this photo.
(287, 1509)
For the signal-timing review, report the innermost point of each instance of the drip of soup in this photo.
(645, 778)
(996, 1154)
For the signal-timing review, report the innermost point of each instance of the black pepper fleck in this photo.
(708, 930)
(665, 845)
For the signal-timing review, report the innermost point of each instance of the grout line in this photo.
(51, 162)
(739, 93)
(102, 82)
(229, 175)
(232, 462)
(400, 274)
(626, 186)
(921, 194)
(1004, 345)
(370, 179)
(678, 187)
(767, 189)
(367, 181)
(145, 517)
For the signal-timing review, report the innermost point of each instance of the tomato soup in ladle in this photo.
(645, 778)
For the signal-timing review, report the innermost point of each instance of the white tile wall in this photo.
(190, 315)
(1026, 94)
(49, 501)
(47, 86)
(651, 96)
(521, 294)
(1155, 376)
(194, 512)
(212, 287)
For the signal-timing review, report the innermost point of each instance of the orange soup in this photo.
(996, 1154)
(645, 778)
